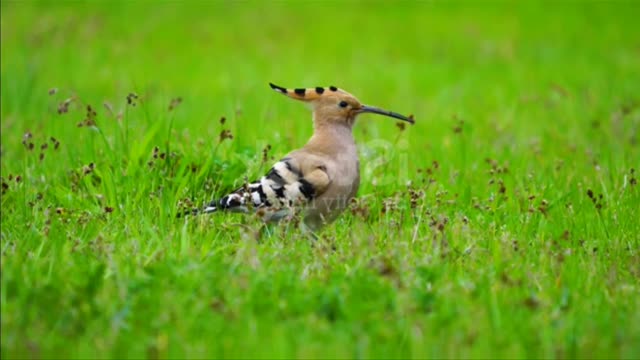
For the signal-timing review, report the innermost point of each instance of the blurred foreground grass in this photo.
(504, 223)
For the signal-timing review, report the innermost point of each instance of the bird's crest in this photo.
(309, 94)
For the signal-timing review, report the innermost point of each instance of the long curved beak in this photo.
(377, 110)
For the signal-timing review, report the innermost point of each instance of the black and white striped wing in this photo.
(282, 188)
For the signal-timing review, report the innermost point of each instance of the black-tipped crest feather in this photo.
(278, 88)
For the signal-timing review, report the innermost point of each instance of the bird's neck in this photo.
(332, 138)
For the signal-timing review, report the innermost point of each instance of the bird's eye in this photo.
(343, 104)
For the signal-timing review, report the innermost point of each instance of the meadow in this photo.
(503, 224)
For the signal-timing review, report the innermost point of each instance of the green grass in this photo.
(495, 249)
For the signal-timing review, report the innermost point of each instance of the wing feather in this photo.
(285, 185)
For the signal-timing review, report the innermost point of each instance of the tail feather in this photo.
(206, 210)
(210, 209)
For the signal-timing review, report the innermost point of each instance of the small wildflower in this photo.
(265, 153)
(63, 107)
(225, 134)
(458, 128)
(88, 169)
(131, 99)
(174, 103)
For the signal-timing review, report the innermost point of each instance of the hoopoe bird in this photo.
(318, 180)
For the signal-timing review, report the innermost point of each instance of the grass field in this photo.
(503, 224)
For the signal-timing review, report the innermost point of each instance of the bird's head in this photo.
(333, 106)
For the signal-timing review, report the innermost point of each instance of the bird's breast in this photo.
(344, 173)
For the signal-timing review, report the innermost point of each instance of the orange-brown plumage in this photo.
(318, 179)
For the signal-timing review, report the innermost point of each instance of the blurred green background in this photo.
(407, 55)
(518, 236)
